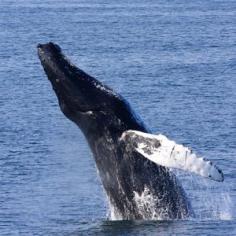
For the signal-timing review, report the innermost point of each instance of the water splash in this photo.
(210, 200)
(224, 207)
(146, 203)
(113, 213)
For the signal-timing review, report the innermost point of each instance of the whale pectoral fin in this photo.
(162, 151)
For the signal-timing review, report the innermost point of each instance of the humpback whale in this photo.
(133, 164)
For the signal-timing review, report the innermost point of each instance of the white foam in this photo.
(114, 213)
(146, 203)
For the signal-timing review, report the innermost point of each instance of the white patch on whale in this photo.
(162, 151)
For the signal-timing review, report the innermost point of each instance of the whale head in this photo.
(83, 99)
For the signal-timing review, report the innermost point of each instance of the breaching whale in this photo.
(133, 164)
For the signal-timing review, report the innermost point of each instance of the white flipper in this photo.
(164, 152)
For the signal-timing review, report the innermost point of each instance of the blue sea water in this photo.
(174, 61)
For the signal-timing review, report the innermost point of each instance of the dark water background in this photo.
(175, 61)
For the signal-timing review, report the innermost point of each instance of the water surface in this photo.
(175, 62)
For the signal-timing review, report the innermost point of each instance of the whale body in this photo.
(136, 187)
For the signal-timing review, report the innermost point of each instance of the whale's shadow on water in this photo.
(124, 227)
(158, 227)
(128, 227)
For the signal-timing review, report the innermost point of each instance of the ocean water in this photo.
(174, 61)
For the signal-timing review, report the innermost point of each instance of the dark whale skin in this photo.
(103, 115)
